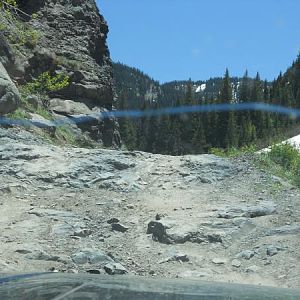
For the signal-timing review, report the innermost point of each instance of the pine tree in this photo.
(244, 88)
(297, 82)
(129, 134)
(198, 138)
(257, 95)
(228, 133)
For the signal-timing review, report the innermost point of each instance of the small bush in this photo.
(285, 155)
(18, 114)
(283, 160)
(233, 152)
(46, 83)
(9, 2)
(18, 32)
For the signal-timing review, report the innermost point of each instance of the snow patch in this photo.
(201, 88)
(294, 141)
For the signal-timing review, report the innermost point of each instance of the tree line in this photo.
(197, 133)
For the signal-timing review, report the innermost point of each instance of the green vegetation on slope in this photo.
(283, 160)
(198, 133)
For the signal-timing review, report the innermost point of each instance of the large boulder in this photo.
(9, 94)
(69, 107)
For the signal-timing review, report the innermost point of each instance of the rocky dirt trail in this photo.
(105, 211)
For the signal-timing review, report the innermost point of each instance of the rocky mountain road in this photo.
(106, 211)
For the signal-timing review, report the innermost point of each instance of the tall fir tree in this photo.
(228, 134)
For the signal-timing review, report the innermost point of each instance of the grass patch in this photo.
(284, 161)
(18, 114)
(19, 33)
(233, 152)
(44, 113)
(64, 135)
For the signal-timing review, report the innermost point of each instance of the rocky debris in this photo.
(181, 257)
(286, 229)
(195, 274)
(94, 271)
(115, 269)
(273, 250)
(113, 220)
(67, 223)
(69, 107)
(9, 94)
(207, 168)
(12, 188)
(119, 227)
(82, 232)
(51, 196)
(168, 231)
(253, 269)
(219, 261)
(42, 255)
(53, 214)
(91, 256)
(83, 169)
(120, 164)
(23, 251)
(236, 263)
(246, 254)
(159, 216)
(264, 209)
(102, 177)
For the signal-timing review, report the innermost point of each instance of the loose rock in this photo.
(119, 227)
(115, 269)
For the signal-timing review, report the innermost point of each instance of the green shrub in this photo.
(9, 2)
(233, 152)
(18, 32)
(18, 114)
(285, 155)
(46, 83)
(282, 160)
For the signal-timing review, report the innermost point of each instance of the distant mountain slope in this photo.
(200, 133)
(134, 88)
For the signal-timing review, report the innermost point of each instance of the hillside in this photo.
(198, 133)
(135, 88)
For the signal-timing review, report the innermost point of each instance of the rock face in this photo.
(74, 34)
(71, 39)
(9, 94)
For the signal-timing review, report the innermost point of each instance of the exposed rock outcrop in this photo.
(67, 37)
(74, 33)
(9, 94)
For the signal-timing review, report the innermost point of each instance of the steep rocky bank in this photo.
(112, 212)
(63, 37)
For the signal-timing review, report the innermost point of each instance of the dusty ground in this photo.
(79, 210)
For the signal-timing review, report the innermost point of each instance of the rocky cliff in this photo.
(63, 36)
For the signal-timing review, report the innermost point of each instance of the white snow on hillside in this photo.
(295, 141)
(201, 88)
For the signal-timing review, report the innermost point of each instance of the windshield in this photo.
(156, 139)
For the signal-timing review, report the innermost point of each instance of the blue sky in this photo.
(179, 39)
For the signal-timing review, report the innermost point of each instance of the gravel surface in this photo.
(112, 212)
